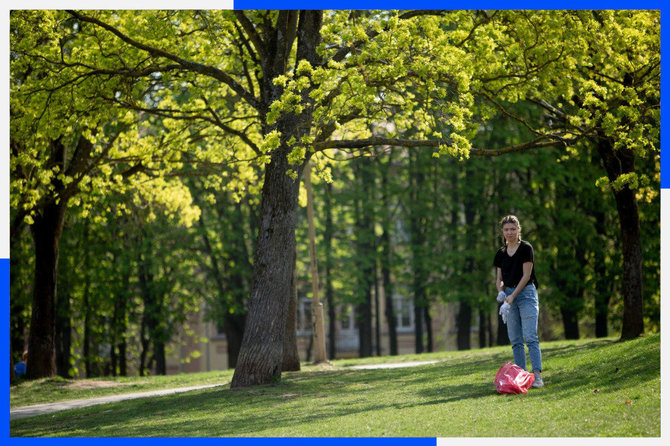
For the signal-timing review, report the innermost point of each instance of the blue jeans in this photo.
(522, 327)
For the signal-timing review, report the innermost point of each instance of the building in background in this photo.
(205, 349)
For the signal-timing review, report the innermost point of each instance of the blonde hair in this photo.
(513, 220)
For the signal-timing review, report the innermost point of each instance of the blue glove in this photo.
(504, 312)
(501, 296)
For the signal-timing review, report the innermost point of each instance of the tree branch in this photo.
(544, 141)
(251, 33)
(206, 70)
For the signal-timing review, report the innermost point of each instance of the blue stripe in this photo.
(435, 4)
(329, 441)
(4, 292)
(665, 170)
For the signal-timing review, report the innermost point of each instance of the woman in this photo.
(517, 286)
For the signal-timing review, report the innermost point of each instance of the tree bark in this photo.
(261, 353)
(616, 163)
(46, 231)
(291, 360)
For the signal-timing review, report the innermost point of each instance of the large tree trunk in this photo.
(46, 231)
(633, 318)
(261, 353)
(616, 163)
(291, 360)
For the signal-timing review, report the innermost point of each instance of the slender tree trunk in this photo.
(328, 266)
(570, 323)
(429, 328)
(464, 323)
(123, 364)
(159, 355)
(365, 254)
(88, 366)
(417, 237)
(616, 163)
(152, 333)
(378, 343)
(144, 349)
(502, 337)
(391, 319)
(483, 328)
(490, 330)
(386, 261)
(233, 327)
(119, 322)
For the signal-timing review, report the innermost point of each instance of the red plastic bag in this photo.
(513, 379)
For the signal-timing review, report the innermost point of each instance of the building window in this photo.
(403, 307)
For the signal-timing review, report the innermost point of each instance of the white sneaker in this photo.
(538, 381)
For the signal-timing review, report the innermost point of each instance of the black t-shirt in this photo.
(512, 266)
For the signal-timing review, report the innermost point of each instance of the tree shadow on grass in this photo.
(334, 394)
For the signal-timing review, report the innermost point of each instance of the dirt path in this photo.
(40, 409)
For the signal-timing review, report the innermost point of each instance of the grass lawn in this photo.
(594, 388)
